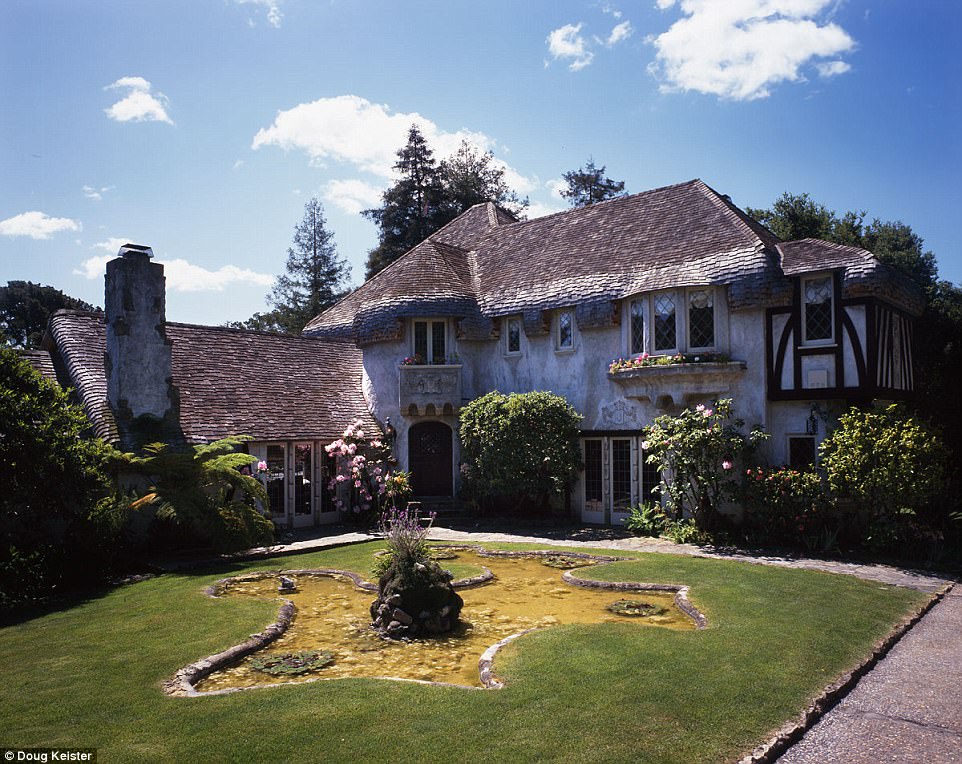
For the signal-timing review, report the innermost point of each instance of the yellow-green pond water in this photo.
(332, 614)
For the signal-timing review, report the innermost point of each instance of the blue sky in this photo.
(201, 127)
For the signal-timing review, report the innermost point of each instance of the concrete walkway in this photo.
(907, 709)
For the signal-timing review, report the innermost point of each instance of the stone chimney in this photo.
(137, 362)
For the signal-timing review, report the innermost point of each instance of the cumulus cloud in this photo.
(567, 44)
(740, 49)
(619, 33)
(832, 68)
(97, 194)
(182, 276)
(273, 8)
(353, 195)
(352, 130)
(37, 225)
(139, 104)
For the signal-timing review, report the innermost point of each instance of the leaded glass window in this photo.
(565, 335)
(665, 329)
(620, 473)
(437, 342)
(514, 335)
(819, 325)
(637, 322)
(801, 452)
(701, 318)
(429, 341)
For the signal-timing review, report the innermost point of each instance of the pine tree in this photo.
(470, 177)
(25, 308)
(412, 209)
(589, 184)
(314, 277)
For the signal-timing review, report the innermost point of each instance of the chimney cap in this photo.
(135, 249)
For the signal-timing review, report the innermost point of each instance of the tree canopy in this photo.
(25, 308)
(589, 185)
(314, 277)
(427, 196)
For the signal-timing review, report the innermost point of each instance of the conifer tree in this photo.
(470, 176)
(589, 184)
(315, 275)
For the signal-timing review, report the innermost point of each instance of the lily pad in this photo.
(635, 608)
(292, 664)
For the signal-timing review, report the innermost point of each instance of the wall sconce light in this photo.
(811, 424)
(390, 436)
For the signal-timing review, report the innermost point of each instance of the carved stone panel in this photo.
(437, 387)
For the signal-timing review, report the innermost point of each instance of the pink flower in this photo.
(706, 412)
(700, 407)
(357, 483)
(262, 466)
(726, 465)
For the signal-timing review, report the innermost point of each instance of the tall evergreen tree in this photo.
(470, 177)
(25, 308)
(798, 216)
(589, 184)
(314, 278)
(412, 209)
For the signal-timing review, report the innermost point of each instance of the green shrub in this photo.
(786, 506)
(647, 519)
(685, 532)
(519, 445)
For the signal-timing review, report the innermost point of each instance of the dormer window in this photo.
(666, 330)
(430, 340)
(565, 336)
(512, 336)
(818, 310)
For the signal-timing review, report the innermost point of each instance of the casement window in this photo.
(801, 452)
(512, 336)
(430, 339)
(818, 310)
(564, 339)
(636, 327)
(701, 319)
(665, 334)
(620, 474)
(593, 481)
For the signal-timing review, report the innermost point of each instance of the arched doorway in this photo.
(430, 459)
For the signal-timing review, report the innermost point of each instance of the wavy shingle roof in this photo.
(229, 381)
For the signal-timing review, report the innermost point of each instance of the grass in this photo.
(90, 674)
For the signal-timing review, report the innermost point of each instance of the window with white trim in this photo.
(564, 339)
(430, 340)
(593, 480)
(512, 335)
(818, 310)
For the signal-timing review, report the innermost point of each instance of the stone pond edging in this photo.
(182, 684)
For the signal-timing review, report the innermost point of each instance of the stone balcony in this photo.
(429, 390)
(681, 383)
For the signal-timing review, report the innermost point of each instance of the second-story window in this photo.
(701, 318)
(818, 310)
(666, 332)
(636, 343)
(429, 340)
(512, 341)
(565, 339)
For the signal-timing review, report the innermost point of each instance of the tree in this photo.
(314, 276)
(470, 177)
(520, 446)
(412, 209)
(589, 185)
(797, 216)
(52, 478)
(25, 308)
(698, 453)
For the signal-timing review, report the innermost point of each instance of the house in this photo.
(793, 331)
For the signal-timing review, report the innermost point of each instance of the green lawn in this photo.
(90, 674)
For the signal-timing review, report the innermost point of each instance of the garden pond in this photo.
(332, 615)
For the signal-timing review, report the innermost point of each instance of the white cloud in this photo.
(352, 196)
(273, 8)
(832, 68)
(37, 225)
(182, 276)
(539, 210)
(139, 105)
(352, 130)
(113, 244)
(97, 194)
(739, 49)
(566, 43)
(556, 186)
(611, 11)
(619, 33)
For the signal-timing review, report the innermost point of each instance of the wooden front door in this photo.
(430, 459)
